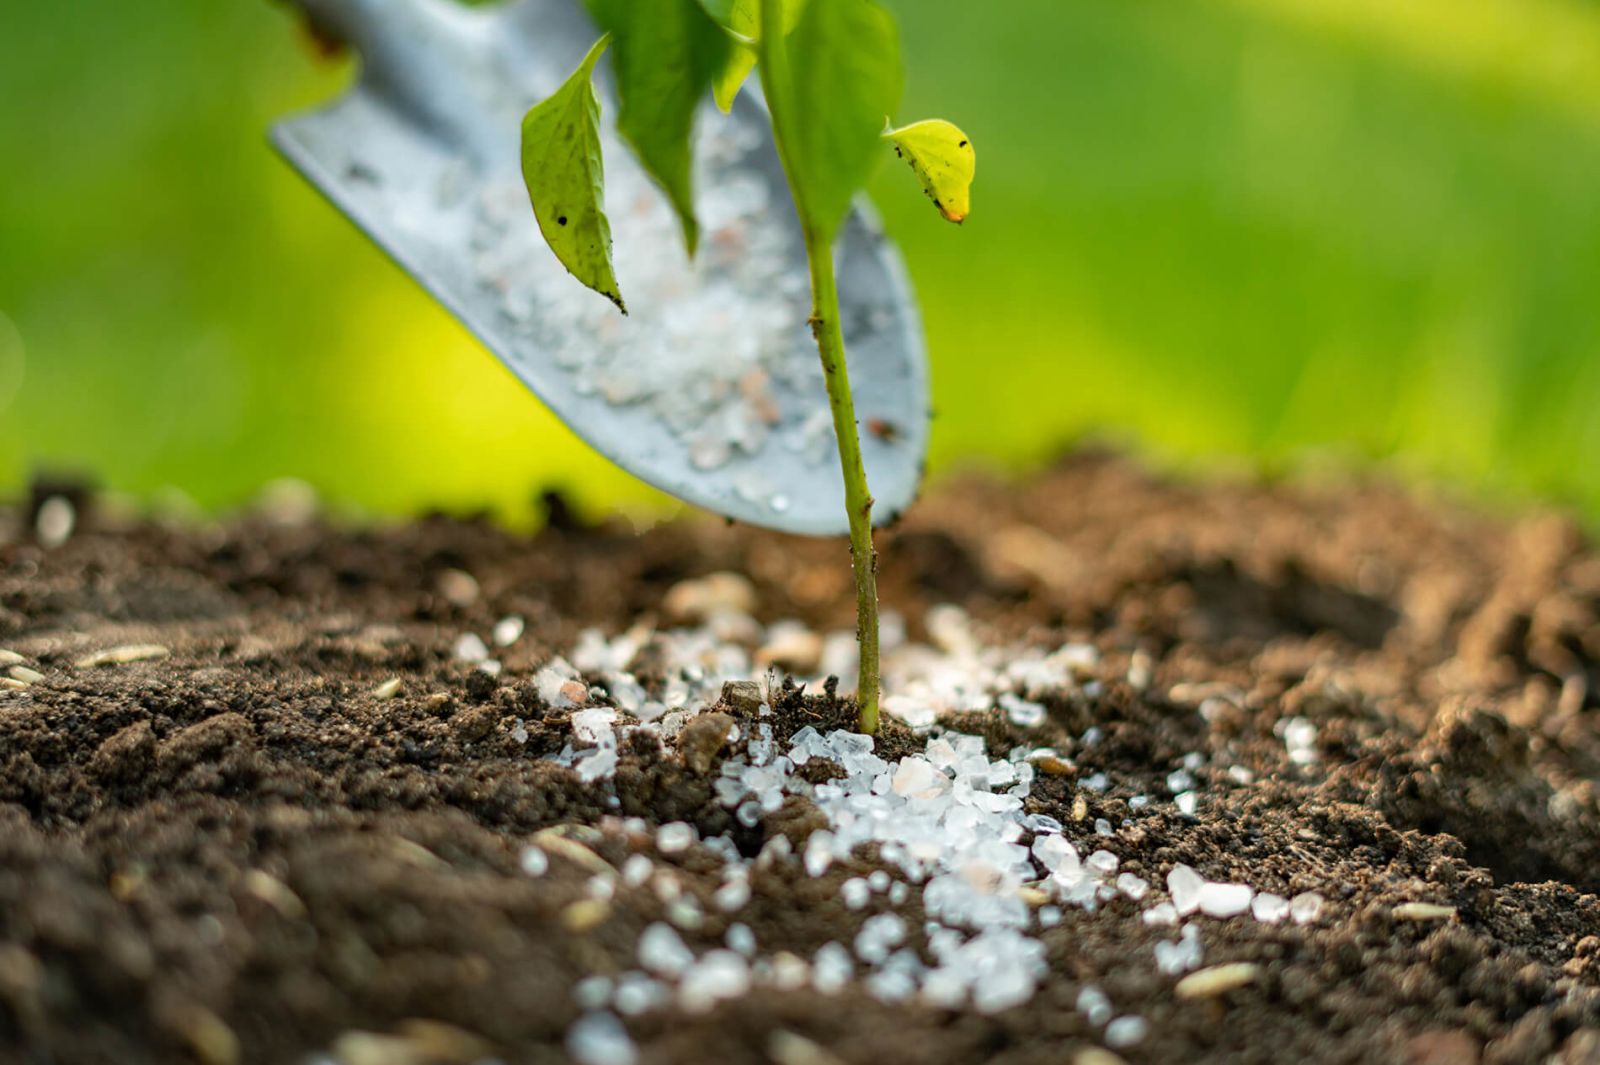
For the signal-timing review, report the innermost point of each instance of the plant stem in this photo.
(774, 71)
(857, 499)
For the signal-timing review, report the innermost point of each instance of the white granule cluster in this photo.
(1177, 958)
(921, 682)
(1191, 893)
(947, 824)
(717, 348)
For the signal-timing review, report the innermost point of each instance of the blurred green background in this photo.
(1225, 232)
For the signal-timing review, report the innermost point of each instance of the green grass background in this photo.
(1226, 232)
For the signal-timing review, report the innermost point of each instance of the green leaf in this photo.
(943, 159)
(831, 85)
(565, 176)
(742, 18)
(665, 56)
(736, 15)
(730, 79)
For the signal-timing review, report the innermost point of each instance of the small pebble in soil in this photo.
(1305, 907)
(831, 969)
(818, 853)
(1299, 740)
(636, 869)
(55, 521)
(1094, 1005)
(1184, 885)
(554, 684)
(1126, 1032)
(701, 599)
(508, 630)
(534, 861)
(789, 972)
(1141, 667)
(594, 725)
(601, 1039)
(1269, 908)
(686, 914)
(740, 939)
(674, 837)
(1225, 900)
(637, 993)
(458, 588)
(878, 937)
(1181, 955)
(1021, 712)
(1043, 824)
(733, 896)
(1132, 886)
(469, 647)
(663, 952)
(592, 992)
(1160, 915)
(715, 976)
(596, 765)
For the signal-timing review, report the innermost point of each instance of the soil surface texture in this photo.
(227, 836)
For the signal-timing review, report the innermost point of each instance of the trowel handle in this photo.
(410, 55)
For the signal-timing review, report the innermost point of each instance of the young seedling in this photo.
(830, 73)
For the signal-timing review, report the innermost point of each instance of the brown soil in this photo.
(238, 852)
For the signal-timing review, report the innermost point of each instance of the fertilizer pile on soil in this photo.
(1169, 773)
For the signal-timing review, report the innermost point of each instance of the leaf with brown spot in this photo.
(565, 175)
(943, 160)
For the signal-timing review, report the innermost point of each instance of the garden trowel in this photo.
(424, 155)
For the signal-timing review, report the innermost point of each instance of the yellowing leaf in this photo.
(562, 168)
(943, 159)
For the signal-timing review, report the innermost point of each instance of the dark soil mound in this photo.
(238, 851)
